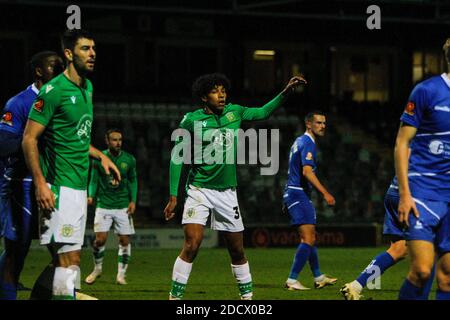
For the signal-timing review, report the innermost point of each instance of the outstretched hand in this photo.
(293, 83)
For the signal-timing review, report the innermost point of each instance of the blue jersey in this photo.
(428, 110)
(303, 153)
(15, 113)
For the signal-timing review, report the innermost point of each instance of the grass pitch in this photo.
(149, 274)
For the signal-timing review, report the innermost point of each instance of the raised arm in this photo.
(44, 196)
(265, 111)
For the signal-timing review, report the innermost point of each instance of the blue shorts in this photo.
(299, 206)
(15, 203)
(433, 224)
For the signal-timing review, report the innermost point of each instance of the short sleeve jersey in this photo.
(303, 153)
(15, 113)
(428, 110)
(66, 110)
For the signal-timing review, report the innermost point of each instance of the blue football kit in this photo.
(15, 180)
(297, 193)
(428, 110)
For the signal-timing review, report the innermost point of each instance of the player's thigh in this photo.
(67, 223)
(226, 214)
(299, 207)
(103, 220)
(196, 207)
(123, 222)
(193, 234)
(422, 255)
(392, 227)
(398, 249)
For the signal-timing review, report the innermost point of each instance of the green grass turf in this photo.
(149, 274)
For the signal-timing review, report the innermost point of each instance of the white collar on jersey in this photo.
(35, 90)
(446, 79)
(310, 136)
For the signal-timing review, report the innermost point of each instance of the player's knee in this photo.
(421, 274)
(124, 241)
(443, 278)
(191, 246)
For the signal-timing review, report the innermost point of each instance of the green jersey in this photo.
(219, 175)
(66, 110)
(110, 196)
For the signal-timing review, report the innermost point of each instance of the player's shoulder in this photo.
(20, 98)
(128, 155)
(429, 85)
(53, 87)
(233, 107)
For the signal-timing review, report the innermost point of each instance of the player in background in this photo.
(62, 116)
(396, 252)
(211, 188)
(423, 184)
(297, 201)
(115, 204)
(15, 180)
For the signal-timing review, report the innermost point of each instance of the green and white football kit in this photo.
(66, 111)
(112, 200)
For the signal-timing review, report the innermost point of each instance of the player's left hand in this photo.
(293, 83)
(131, 208)
(109, 166)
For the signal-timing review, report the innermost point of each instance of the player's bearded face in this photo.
(115, 141)
(318, 125)
(84, 56)
(216, 98)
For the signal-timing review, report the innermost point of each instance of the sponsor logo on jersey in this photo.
(442, 108)
(410, 106)
(309, 156)
(48, 88)
(67, 230)
(7, 119)
(39, 105)
(436, 147)
(204, 123)
(84, 128)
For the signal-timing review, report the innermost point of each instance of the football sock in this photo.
(409, 291)
(8, 291)
(180, 276)
(124, 259)
(314, 262)
(300, 258)
(63, 284)
(99, 254)
(244, 279)
(442, 295)
(383, 261)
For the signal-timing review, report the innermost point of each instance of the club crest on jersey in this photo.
(410, 106)
(7, 119)
(67, 230)
(190, 212)
(123, 165)
(74, 99)
(39, 105)
(309, 156)
(230, 116)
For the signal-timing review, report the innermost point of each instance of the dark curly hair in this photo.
(205, 83)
